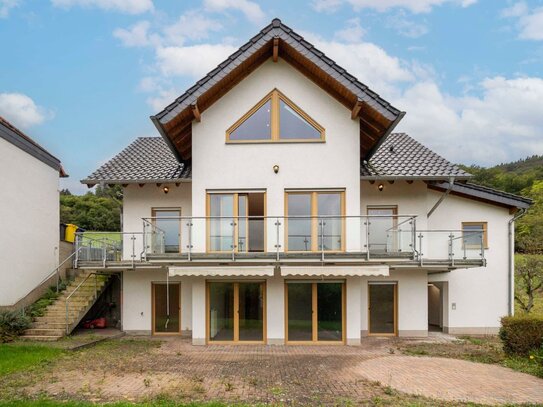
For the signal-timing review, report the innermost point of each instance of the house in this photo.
(278, 206)
(29, 207)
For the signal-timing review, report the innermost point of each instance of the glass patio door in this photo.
(315, 312)
(382, 229)
(168, 224)
(236, 312)
(382, 308)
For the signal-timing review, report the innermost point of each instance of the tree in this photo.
(529, 279)
(100, 211)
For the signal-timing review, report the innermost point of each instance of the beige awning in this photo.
(258, 271)
(335, 271)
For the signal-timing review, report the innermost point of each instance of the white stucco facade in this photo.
(470, 300)
(29, 208)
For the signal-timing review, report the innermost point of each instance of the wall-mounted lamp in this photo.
(166, 190)
(380, 187)
(276, 168)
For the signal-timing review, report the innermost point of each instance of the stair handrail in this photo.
(74, 291)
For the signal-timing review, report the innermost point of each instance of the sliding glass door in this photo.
(315, 221)
(237, 222)
(236, 311)
(315, 312)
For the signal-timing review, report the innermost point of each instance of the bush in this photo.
(521, 334)
(12, 324)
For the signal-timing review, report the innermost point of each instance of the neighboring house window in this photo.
(315, 221)
(471, 232)
(275, 118)
(236, 217)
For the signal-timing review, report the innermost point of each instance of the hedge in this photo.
(521, 334)
(12, 324)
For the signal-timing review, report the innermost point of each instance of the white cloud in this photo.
(21, 110)
(192, 25)
(529, 22)
(135, 36)
(6, 6)
(250, 9)
(501, 124)
(193, 60)
(406, 27)
(352, 32)
(415, 6)
(123, 6)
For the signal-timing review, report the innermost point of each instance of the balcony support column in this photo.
(199, 311)
(353, 310)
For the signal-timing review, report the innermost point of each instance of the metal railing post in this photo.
(367, 224)
(104, 254)
(451, 252)
(322, 239)
(420, 249)
(189, 246)
(277, 234)
(414, 237)
(233, 239)
(133, 249)
(483, 247)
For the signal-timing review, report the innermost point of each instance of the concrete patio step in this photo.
(41, 338)
(45, 331)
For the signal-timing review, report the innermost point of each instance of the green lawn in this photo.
(17, 357)
(110, 236)
(154, 402)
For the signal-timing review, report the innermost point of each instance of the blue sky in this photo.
(82, 77)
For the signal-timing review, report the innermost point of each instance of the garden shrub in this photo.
(521, 334)
(12, 324)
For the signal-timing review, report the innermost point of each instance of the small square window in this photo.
(472, 232)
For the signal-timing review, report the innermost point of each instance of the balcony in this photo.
(393, 240)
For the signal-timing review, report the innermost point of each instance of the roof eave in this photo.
(93, 182)
(163, 134)
(414, 177)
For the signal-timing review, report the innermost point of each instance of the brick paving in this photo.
(452, 379)
(306, 375)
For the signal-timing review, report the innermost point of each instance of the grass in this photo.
(151, 402)
(109, 236)
(476, 349)
(18, 357)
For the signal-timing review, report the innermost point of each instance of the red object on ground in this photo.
(95, 323)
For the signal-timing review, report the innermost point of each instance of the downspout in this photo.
(511, 239)
(442, 198)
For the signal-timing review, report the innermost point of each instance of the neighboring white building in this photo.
(29, 209)
(279, 207)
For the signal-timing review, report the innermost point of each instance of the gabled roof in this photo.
(401, 156)
(16, 137)
(377, 116)
(484, 194)
(147, 159)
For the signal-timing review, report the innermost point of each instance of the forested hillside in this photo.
(523, 177)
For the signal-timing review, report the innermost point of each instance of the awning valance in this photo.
(335, 271)
(258, 271)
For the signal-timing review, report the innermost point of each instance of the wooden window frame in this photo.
(235, 207)
(314, 220)
(153, 331)
(236, 339)
(275, 96)
(484, 227)
(154, 210)
(315, 317)
(395, 284)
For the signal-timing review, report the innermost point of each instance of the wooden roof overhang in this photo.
(377, 118)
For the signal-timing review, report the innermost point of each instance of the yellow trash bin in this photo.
(70, 232)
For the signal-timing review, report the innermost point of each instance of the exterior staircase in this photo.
(83, 292)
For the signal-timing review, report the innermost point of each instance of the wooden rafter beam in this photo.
(275, 49)
(356, 110)
(196, 112)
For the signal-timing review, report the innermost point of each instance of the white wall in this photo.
(139, 202)
(137, 298)
(412, 301)
(480, 294)
(217, 165)
(29, 209)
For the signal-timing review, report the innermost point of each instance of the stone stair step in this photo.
(40, 338)
(45, 331)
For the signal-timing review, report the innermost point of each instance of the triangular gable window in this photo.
(275, 118)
